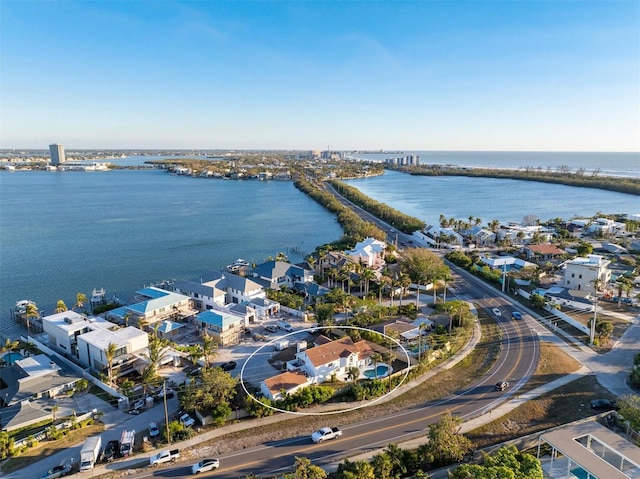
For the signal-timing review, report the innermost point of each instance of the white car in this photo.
(153, 430)
(496, 311)
(205, 465)
(187, 420)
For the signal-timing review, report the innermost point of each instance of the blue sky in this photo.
(411, 75)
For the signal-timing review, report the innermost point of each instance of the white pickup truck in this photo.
(326, 433)
(164, 456)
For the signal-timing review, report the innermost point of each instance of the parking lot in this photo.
(254, 354)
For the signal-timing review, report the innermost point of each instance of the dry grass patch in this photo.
(560, 406)
(49, 448)
(554, 363)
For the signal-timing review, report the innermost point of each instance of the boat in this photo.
(98, 296)
(21, 306)
(238, 265)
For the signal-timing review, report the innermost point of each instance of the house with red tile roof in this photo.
(544, 252)
(288, 382)
(333, 358)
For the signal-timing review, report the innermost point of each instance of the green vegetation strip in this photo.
(405, 223)
(562, 176)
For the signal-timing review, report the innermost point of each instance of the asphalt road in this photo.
(516, 361)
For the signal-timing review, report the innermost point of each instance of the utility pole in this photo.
(593, 322)
(504, 276)
(166, 415)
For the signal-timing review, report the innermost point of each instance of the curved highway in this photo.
(516, 361)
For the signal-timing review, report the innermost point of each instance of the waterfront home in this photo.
(154, 305)
(333, 260)
(63, 329)
(524, 234)
(586, 273)
(287, 382)
(131, 343)
(225, 328)
(219, 289)
(334, 358)
(276, 274)
(169, 329)
(369, 252)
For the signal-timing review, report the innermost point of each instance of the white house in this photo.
(216, 289)
(131, 342)
(63, 329)
(582, 273)
(332, 358)
(288, 382)
(370, 252)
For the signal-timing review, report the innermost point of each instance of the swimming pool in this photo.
(11, 357)
(380, 371)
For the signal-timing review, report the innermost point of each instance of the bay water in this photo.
(67, 232)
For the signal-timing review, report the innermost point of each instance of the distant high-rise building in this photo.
(57, 154)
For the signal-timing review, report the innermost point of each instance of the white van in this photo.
(284, 325)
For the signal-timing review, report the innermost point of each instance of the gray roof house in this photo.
(276, 274)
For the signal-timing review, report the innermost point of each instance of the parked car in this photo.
(59, 471)
(516, 315)
(153, 430)
(228, 366)
(205, 465)
(271, 328)
(284, 325)
(164, 456)
(187, 420)
(496, 311)
(111, 451)
(603, 405)
(501, 386)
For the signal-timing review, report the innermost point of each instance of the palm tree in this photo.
(377, 358)
(126, 317)
(367, 275)
(30, 311)
(61, 307)
(209, 349)
(81, 299)
(353, 373)
(10, 346)
(195, 353)
(403, 281)
(54, 410)
(110, 355)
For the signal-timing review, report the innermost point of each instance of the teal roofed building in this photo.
(225, 328)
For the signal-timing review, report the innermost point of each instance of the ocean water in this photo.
(69, 232)
(610, 164)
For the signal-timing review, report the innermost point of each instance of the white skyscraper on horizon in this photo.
(57, 154)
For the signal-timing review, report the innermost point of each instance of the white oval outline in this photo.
(326, 413)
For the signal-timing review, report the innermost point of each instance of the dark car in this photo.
(501, 386)
(603, 405)
(110, 451)
(228, 366)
